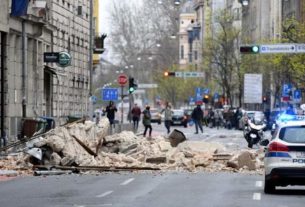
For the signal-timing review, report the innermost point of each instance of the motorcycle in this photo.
(254, 131)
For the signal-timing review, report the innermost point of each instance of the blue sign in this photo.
(206, 91)
(286, 89)
(110, 94)
(94, 99)
(191, 100)
(198, 94)
(216, 96)
(297, 94)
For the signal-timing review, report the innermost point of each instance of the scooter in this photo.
(254, 131)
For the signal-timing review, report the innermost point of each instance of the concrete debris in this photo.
(88, 145)
(176, 137)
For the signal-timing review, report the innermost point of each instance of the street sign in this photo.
(300, 48)
(206, 91)
(297, 95)
(253, 88)
(191, 100)
(51, 57)
(147, 85)
(64, 59)
(122, 79)
(198, 94)
(110, 94)
(216, 97)
(286, 89)
(94, 99)
(278, 48)
(189, 74)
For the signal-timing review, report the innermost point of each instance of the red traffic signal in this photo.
(167, 73)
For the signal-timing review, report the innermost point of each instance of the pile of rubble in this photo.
(88, 145)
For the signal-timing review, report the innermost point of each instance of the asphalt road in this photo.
(232, 139)
(145, 190)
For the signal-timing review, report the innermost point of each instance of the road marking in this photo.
(257, 196)
(104, 194)
(259, 184)
(127, 181)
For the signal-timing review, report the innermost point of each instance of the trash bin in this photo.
(29, 126)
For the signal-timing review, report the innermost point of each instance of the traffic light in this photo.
(253, 49)
(265, 100)
(206, 99)
(132, 85)
(167, 73)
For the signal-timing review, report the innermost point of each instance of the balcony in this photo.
(37, 11)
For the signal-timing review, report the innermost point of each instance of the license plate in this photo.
(300, 154)
(176, 122)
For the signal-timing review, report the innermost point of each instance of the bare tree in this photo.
(222, 49)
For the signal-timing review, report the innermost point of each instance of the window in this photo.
(236, 14)
(294, 134)
(195, 55)
(182, 52)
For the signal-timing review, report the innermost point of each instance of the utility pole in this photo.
(90, 66)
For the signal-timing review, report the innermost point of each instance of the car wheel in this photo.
(269, 187)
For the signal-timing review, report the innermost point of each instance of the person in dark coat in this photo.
(197, 116)
(135, 114)
(110, 111)
(147, 121)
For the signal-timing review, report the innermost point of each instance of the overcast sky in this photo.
(104, 19)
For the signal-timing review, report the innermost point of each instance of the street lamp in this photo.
(245, 2)
(177, 2)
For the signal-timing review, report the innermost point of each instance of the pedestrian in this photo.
(136, 114)
(110, 111)
(218, 118)
(147, 121)
(197, 116)
(211, 118)
(237, 117)
(168, 113)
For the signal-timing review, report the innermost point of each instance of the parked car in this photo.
(188, 114)
(155, 116)
(179, 118)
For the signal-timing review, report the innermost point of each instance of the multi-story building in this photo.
(294, 8)
(30, 87)
(261, 20)
(187, 55)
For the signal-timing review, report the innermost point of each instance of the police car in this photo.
(285, 155)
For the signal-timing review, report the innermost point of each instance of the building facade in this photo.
(31, 87)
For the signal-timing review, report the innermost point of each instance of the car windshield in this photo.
(188, 112)
(178, 113)
(154, 111)
(293, 134)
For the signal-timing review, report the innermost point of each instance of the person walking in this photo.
(135, 113)
(197, 116)
(147, 121)
(168, 113)
(218, 118)
(110, 111)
